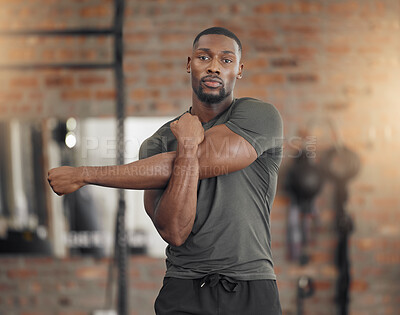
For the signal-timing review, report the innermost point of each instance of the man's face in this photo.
(214, 66)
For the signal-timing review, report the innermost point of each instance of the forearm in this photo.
(175, 213)
(151, 173)
(218, 154)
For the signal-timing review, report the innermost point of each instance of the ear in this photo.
(188, 65)
(240, 73)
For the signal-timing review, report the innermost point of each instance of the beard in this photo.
(210, 98)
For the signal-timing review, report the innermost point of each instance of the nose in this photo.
(213, 67)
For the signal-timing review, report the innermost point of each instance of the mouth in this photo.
(212, 82)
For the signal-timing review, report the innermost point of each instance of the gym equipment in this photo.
(340, 164)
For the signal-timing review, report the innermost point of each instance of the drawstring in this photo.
(213, 279)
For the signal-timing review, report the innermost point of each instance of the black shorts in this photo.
(218, 295)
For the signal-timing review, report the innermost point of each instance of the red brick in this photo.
(198, 10)
(49, 55)
(301, 51)
(27, 82)
(165, 107)
(88, 55)
(309, 106)
(255, 63)
(105, 95)
(338, 48)
(59, 81)
(22, 109)
(20, 55)
(179, 93)
(343, 8)
(266, 79)
(75, 95)
(271, 8)
(162, 80)
(8, 287)
(387, 203)
(92, 79)
(174, 53)
(146, 285)
(71, 313)
(142, 94)
(67, 286)
(32, 261)
(267, 48)
(329, 271)
(303, 78)
(173, 37)
(36, 96)
(305, 7)
(366, 244)
(336, 106)
(283, 62)
(92, 272)
(321, 258)
(300, 29)
(98, 11)
(3, 109)
(232, 9)
(145, 260)
(256, 92)
(21, 273)
(130, 67)
(262, 35)
(66, 54)
(10, 96)
(158, 66)
(158, 273)
(388, 258)
(137, 38)
(358, 285)
(321, 285)
(376, 9)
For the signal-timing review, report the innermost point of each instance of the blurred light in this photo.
(41, 232)
(71, 124)
(70, 140)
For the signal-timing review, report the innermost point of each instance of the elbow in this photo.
(176, 242)
(173, 237)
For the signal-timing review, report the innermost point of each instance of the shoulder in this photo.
(155, 144)
(256, 108)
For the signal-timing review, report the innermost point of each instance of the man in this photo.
(210, 178)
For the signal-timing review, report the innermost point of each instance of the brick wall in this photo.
(311, 59)
(73, 286)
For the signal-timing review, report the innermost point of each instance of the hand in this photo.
(66, 179)
(188, 130)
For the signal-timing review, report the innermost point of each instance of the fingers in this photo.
(50, 176)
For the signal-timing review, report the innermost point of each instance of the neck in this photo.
(206, 111)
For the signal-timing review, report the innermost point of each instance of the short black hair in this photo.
(218, 31)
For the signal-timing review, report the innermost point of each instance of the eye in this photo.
(227, 60)
(204, 57)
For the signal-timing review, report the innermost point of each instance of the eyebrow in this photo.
(224, 51)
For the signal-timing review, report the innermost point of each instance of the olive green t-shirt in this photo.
(231, 232)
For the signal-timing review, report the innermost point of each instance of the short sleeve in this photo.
(258, 122)
(151, 146)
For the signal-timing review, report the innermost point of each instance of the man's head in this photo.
(215, 64)
(219, 31)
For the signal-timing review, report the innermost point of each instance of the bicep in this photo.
(151, 199)
(224, 151)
